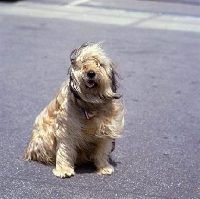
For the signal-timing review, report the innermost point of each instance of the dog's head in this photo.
(92, 74)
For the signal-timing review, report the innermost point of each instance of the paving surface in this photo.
(156, 46)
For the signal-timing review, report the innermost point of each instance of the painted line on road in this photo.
(77, 2)
(105, 16)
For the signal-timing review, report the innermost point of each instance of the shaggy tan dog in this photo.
(81, 123)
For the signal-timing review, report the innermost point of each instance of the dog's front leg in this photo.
(64, 160)
(101, 157)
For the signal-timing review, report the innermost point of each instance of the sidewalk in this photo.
(178, 7)
(194, 2)
(103, 15)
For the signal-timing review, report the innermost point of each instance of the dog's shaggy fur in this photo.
(84, 119)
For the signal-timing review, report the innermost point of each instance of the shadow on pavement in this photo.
(10, 1)
(90, 167)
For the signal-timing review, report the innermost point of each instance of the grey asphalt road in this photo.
(156, 46)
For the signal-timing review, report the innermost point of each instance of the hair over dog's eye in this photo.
(100, 64)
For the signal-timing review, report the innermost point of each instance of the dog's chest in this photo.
(90, 127)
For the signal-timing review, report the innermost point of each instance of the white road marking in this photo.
(105, 16)
(77, 2)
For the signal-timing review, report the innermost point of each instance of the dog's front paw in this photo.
(63, 172)
(107, 170)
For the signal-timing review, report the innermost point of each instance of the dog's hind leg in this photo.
(41, 148)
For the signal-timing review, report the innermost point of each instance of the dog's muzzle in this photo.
(91, 83)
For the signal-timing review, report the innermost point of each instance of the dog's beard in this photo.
(95, 90)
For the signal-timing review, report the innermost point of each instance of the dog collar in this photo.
(87, 115)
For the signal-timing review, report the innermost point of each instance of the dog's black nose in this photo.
(91, 74)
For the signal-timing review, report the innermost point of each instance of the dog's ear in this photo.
(77, 51)
(113, 77)
(114, 82)
(73, 56)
